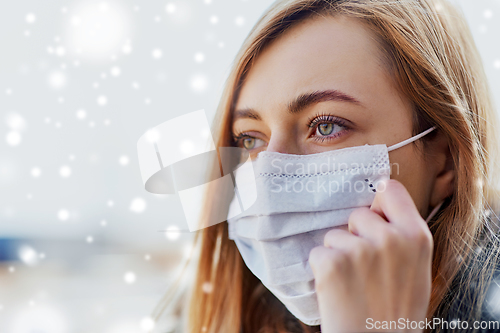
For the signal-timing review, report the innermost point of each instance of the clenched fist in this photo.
(378, 270)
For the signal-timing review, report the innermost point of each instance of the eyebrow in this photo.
(302, 102)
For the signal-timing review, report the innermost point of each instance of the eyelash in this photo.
(329, 119)
(313, 122)
(239, 136)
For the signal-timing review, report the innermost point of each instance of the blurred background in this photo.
(83, 246)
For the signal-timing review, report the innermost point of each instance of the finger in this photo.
(367, 224)
(340, 239)
(396, 204)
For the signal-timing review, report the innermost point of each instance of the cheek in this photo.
(409, 168)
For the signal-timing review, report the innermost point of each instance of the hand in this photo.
(379, 269)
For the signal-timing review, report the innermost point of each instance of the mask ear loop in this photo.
(434, 212)
(410, 140)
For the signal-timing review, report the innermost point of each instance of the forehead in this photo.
(317, 53)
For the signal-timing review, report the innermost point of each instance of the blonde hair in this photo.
(432, 57)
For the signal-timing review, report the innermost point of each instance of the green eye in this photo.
(249, 143)
(325, 128)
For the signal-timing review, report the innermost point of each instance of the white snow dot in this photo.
(496, 63)
(172, 232)
(207, 287)
(41, 255)
(208, 1)
(221, 44)
(60, 100)
(102, 100)
(30, 18)
(12, 269)
(81, 114)
(152, 135)
(76, 21)
(124, 160)
(205, 133)
(147, 101)
(57, 79)
(13, 138)
(60, 51)
(199, 57)
(36, 172)
(214, 19)
(29, 196)
(104, 223)
(147, 324)
(147, 257)
(91, 124)
(107, 122)
(63, 214)
(199, 83)
(239, 21)
(111, 203)
(65, 171)
(89, 239)
(116, 71)
(127, 48)
(186, 147)
(157, 53)
(16, 122)
(138, 205)
(170, 8)
(8, 91)
(129, 277)
(135, 85)
(71, 157)
(103, 6)
(27, 33)
(488, 13)
(28, 255)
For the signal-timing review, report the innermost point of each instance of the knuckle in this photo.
(389, 239)
(330, 237)
(358, 213)
(423, 240)
(363, 252)
(326, 263)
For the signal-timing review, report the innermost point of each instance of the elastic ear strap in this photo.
(434, 211)
(410, 140)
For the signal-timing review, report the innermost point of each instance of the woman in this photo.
(321, 75)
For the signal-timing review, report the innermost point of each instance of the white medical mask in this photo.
(299, 199)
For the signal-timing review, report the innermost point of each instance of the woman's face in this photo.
(322, 86)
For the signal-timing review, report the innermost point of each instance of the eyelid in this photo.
(328, 118)
(317, 120)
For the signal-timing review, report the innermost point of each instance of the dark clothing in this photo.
(464, 295)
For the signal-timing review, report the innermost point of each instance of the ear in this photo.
(440, 157)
